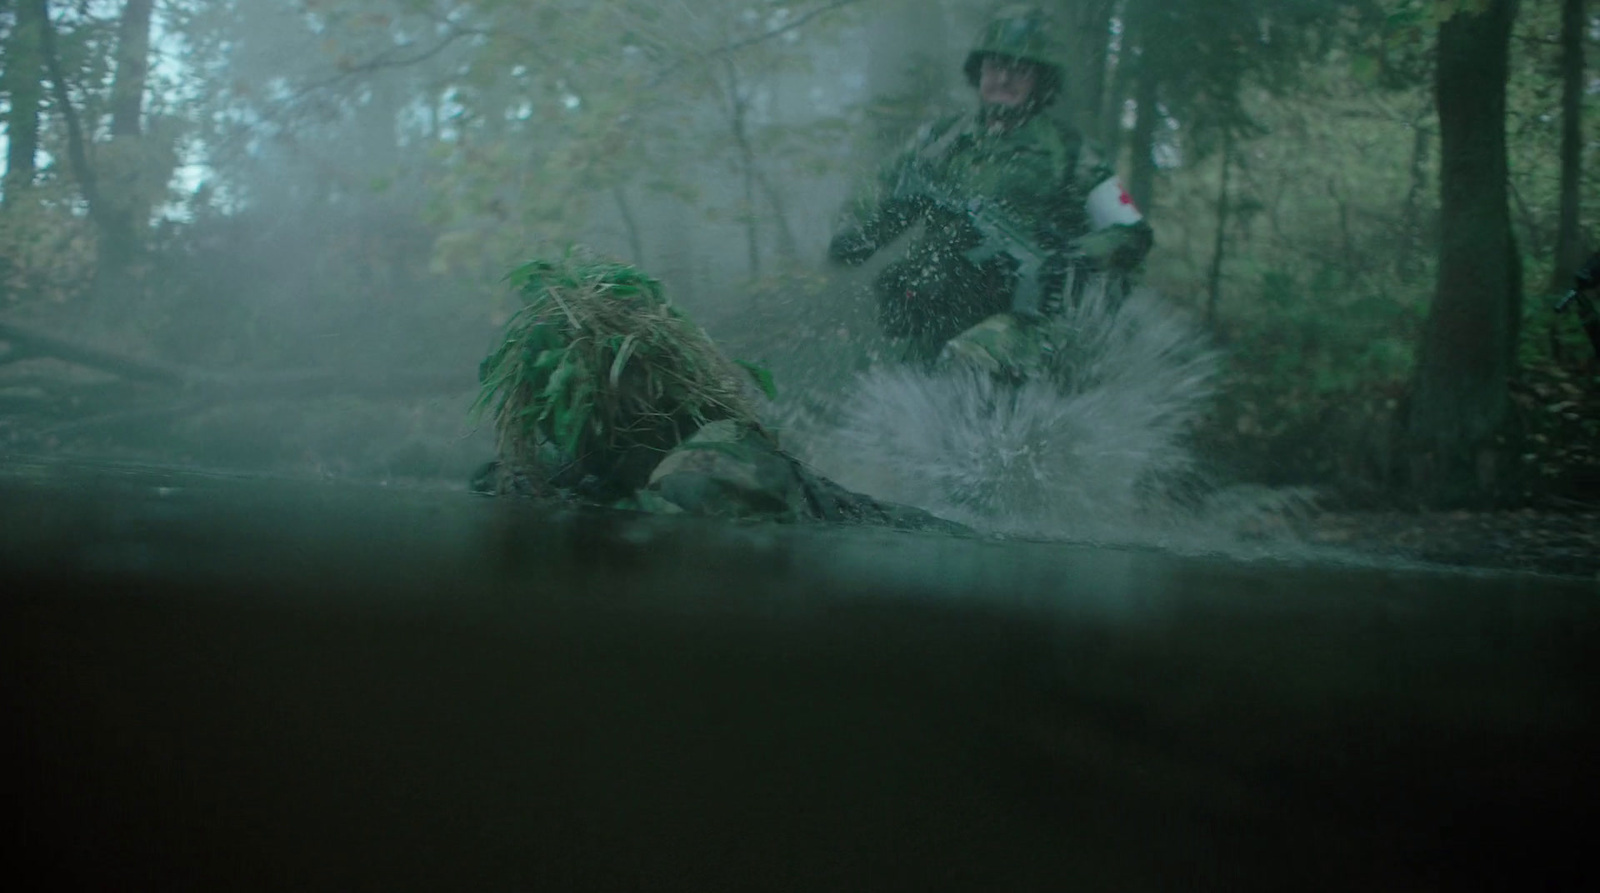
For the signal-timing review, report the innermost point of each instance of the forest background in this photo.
(1371, 204)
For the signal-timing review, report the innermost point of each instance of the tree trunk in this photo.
(1409, 248)
(24, 79)
(133, 68)
(128, 207)
(1089, 30)
(737, 111)
(77, 142)
(1569, 248)
(1142, 175)
(1459, 395)
(1214, 279)
(788, 245)
(908, 67)
(1119, 84)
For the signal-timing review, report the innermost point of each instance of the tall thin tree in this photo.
(1459, 395)
(1219, 248)
(1147, 118)
(1088, 30)
(1569, 248)
(23, 78)
(127, 210)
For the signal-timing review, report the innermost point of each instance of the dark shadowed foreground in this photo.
(222, 683)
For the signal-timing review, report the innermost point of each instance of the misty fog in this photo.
(368, 518)
(301, 213)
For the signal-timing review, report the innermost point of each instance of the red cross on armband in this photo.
(1109, 205)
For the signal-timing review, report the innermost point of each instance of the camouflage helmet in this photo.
(1020, 32)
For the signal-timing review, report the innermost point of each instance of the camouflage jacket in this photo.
(1038, 173)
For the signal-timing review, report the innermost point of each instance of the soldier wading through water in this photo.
(1015, 205)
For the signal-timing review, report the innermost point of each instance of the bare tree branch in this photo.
(388, 59)
(738, 45)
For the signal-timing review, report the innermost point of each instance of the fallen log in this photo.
(27, 344)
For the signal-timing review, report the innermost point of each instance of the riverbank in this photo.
(1529, 540)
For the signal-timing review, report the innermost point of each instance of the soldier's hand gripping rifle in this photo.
(1002, 236)
(1587, 278)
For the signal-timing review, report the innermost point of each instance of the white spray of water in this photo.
(1100, 455)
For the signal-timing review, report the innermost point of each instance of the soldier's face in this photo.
(1006, 81)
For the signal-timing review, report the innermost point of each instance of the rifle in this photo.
(1000, 234)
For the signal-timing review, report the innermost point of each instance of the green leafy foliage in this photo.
(762, 377)
(1317, 369)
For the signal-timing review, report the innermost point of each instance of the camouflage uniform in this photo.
(729, 470)
(1005, 346)
(606, 394)
(1018, 166)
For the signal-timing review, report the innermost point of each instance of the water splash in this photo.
(1101, 455)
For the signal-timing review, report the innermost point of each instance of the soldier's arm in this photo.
(876, 214)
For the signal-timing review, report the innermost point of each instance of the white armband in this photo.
(1109, 205)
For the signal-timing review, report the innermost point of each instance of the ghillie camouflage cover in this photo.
(599, 374)
(605, 392)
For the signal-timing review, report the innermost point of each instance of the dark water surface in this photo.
(216, 682)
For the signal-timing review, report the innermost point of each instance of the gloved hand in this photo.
(851, 248)
(1119, 247)
(1097, 249)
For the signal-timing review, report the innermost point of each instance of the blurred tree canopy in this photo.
(239, 181)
